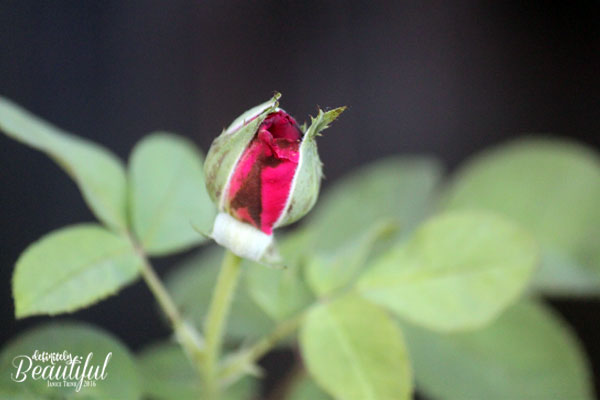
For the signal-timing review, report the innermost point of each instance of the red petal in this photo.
(261, 182)
(282, 126)
(275, 188)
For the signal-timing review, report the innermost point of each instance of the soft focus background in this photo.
(439, 78)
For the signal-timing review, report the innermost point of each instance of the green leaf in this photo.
(169, 375)
(282, 292)
(98, 173)
(327, 271)
(398, 188)
(355, 351)
(458, 271)
(121, 382)
(552, 188)
(72, 268)
(562, 275)
(528, 353)
(168, 197)
(191, 286)
(305, 388)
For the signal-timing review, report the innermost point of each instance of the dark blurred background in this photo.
(441, 78)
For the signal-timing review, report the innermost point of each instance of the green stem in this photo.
(215, 321)
(187, 335)
(239, 362)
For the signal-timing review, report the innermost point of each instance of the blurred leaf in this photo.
(122, 380)
(71, 268)
(168, 196)
(305, 388)
(355, 351)
(528, 353)
(244, 389)
(327, 271)
(191, 286)
(282, 292)
(27, 396)
(562, 275)
(169, 375)
(552, 187)
(458, 271)
(98, 173)
(399, 188)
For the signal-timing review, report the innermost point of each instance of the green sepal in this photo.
(228, 147)
(307, 180)
(322, 121)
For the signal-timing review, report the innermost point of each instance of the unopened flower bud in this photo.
(263, 172)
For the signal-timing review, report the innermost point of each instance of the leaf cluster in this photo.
(399, 276)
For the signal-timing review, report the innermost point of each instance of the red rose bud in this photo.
(263, 172)
(260, 184)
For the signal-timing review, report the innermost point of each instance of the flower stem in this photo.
(239, 362)
(186, 334)
(215, 321)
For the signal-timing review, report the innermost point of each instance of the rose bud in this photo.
(263, 172)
